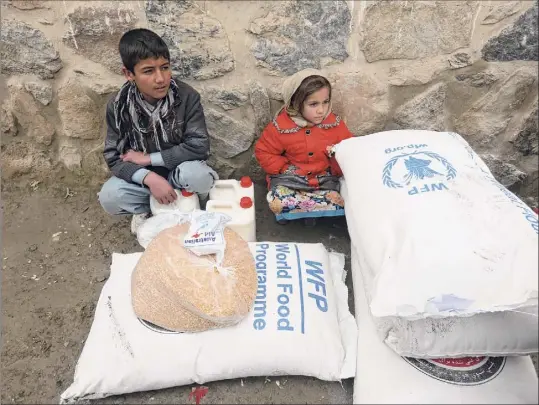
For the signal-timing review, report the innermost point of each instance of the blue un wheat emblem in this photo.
(416, 169)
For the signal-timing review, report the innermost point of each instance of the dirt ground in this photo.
(50, 287)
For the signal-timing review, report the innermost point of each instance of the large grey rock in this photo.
(415, 29)
(459, 60)
(528, 188)
(275, 91)
(29, 4)
(261, 106)
(97, 78)
(527, 138)
(517, 42)
(94, 31)
(296, 35)
(42, 91)
(532, 202)
(416, 72)
(228, 99)
(362, 100)
(425, 111)
(24, 49)
(69, 153)
(425, 70)
(22, 157)
(499, 11)
(506, 173)
(198, 43)
(93, 161)
(7, 122)
(81, 116)
(229, 137)
(490, 115)
(252, 169)
(479, 79)
(223, 167)
(29, 117)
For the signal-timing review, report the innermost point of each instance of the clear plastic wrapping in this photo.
(203, 286)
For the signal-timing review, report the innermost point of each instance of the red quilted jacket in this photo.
(283, 143)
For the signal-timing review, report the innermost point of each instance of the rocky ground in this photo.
(57, 246)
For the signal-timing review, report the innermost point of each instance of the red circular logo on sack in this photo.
(461, 371)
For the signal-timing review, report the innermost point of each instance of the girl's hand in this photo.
(330, 150)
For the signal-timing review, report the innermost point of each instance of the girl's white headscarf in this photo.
(290, 85)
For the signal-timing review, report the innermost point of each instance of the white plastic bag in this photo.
(383, 377)
(205, 235)
(440, 234)
(157, 223)
(300, 325)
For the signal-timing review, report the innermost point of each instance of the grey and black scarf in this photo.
(139, 121)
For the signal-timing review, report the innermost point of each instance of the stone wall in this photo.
(466, 66)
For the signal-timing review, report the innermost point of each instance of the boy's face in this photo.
(152, 77)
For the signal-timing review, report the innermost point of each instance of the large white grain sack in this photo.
(494, 334)
(300, 325)
(383, 377)
(444, 237)
(502, 333)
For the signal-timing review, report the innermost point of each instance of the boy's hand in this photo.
(160, 188)
(138, 158)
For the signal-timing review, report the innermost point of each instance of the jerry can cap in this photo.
(246, 182)
(246, 202)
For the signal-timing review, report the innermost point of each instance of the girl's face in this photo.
(316, 106)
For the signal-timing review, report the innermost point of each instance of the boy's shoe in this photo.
(138, 220)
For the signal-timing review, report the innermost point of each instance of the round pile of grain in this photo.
(177, 290)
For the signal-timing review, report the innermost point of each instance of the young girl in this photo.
(294, 151)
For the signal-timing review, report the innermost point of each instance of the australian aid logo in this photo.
(418, 171)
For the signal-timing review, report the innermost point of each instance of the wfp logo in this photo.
(426, 170)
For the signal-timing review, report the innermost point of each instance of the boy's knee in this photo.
(118, 197)
(195, 177)
(110, 197)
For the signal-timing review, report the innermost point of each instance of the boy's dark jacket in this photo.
(190, 142)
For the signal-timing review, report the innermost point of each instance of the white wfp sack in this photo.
(494, 333)
(440, 237)
(383, 377)
(300, 325)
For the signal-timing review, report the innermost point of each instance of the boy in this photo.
(157, 139)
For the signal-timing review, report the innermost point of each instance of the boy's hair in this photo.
(308, 86)
(139, 44)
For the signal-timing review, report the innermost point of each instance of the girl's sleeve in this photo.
(269, 151)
